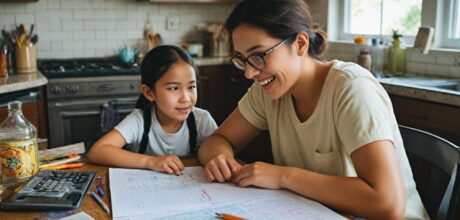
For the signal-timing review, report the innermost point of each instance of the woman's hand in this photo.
(260, 174)
(221, 168)
(170, 164)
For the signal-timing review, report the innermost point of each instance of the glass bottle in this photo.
(396, 59)
(18, 147)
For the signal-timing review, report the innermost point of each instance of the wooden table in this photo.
(89, 205)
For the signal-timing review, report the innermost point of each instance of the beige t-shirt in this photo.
(352, 111)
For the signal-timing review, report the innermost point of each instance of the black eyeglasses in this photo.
(256, 60)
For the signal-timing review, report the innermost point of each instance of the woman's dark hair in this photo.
(154, 65)
(280, 19)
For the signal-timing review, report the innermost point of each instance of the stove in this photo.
(53, 69)
(79, 90)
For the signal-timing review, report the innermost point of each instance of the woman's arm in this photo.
(217, 151)
(377, 192)
(108, 151)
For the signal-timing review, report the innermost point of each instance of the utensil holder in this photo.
(26, 59)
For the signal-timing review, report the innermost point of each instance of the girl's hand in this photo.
(170, 164)
(260, 174)
(221, 168)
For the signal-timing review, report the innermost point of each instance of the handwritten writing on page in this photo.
(144, 194)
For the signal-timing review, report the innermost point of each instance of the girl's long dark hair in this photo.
(154, 65)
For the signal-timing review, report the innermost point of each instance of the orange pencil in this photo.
(226, 216)
(65, 166)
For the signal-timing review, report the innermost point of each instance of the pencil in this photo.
(226, 216)
(64, 166)
(100, 202)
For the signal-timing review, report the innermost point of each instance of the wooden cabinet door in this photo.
(439, 119)
(212, 92)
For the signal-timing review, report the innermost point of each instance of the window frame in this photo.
(433, 13)
(447, 40)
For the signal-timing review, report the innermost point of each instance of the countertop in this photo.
(18, 82)
(426, 93)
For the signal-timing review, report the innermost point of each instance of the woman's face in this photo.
(175, 93)
(279, 73)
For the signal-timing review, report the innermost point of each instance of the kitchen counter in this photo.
(426, 93)
(211, 61)
(18, 82)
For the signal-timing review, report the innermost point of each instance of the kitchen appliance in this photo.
(78, 89)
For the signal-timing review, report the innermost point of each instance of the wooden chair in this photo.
(435, 165)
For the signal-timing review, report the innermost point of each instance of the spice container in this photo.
(364, 59)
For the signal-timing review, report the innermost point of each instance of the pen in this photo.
(64, 166)
(99, 186)
(100, 202)
(226, 216)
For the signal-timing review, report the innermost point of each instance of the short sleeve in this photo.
(206, 126)
(363, 113)
(252, 107)
(131, 127)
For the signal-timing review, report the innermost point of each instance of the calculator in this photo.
(51, 190)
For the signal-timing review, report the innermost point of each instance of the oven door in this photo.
(80, 120)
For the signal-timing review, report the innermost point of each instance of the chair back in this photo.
(435, 165)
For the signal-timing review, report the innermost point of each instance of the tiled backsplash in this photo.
(94, 28)
(444, 63)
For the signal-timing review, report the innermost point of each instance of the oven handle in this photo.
(97, 102)
(87, 113)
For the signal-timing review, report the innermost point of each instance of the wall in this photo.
(95, 28)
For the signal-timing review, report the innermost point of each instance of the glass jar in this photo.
(18, 147)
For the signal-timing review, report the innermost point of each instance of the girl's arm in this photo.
(108, 151)
(217, 151)
(377, 192)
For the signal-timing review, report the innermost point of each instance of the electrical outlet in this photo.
(172, 23)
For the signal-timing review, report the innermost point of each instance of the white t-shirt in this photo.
(352, 111)
(161, 142)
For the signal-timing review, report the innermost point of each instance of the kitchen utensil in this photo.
(127, 54)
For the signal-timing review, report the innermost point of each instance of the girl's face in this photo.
(175, 93)
(280, 72)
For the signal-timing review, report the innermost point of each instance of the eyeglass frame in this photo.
(261, 56)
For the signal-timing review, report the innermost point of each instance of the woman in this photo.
(334, 135)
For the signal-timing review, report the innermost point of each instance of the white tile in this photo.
(72, 4)
(7, 19)
(72, 45)
(106, 15)
(54, 4)
(126, 25)
(95, 44)
(72, 25)
(101, 35)
(423, 58)
(60, 35)
(84, 14)
(52, 15)
(87, 53)
(134, 34)
(435, 69)
(56, 45)
(445, 59)
(414, 67)
(93, 24)
(46, 25)
(25, 18)
(94, 4)
(84, 35)
(113, 35)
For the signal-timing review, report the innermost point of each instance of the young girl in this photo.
(155, 130)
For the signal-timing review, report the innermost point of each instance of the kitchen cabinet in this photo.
(18, 1)
(33, 108)
(190, 1)
(220, 88)
(440, 119)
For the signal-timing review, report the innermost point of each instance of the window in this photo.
(379, 17)
(452, 26)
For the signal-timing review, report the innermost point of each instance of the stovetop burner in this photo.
(65, 68)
